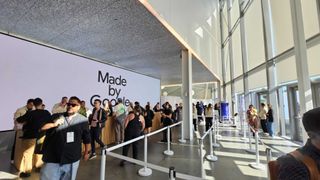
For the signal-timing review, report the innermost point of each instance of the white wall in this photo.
(188, 17)
(29, 70)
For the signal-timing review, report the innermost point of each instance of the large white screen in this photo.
(28, 70)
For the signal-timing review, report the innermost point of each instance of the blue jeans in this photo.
(270, 128)
(55, 171)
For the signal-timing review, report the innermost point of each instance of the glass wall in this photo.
(285, 71)
(254, 32)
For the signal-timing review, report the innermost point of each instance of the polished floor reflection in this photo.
(233, 160)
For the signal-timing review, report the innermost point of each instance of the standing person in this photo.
(199, 107)
(63, 143)
(120, 113)
(18, 126)
(167, 121)
(217, 108)
(107, 106)
(130, 108)
(60, 107)
(33, 121)
(263, 118)
(134, 125)
(174, 114)
(84, 110)
(179, 113)
(270, 120)
(292, 166)
(96, 121)
(209, 116)
(194, 117)
(157, 108)
(148, 116)
(252, 117)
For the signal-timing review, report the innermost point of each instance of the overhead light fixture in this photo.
(209, 21)
(199, 31)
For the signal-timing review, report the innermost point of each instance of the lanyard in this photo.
(69, 123)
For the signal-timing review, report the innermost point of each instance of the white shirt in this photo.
(57, 108)
(19, 112)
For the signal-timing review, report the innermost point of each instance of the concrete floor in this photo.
(232, 161)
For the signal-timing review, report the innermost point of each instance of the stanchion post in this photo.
(269, 154)
(103, 164)
(269, 158)
(250, 150)
(201, 158)
(257, 165)
(145, 171)
(217, 130)
(182, 140)
(211, 157)
(241, 127)
(172, 173)
(245, 127)
(168, 152)
(215, 144)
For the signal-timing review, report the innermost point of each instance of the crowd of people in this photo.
(56, 138)
(264, 117)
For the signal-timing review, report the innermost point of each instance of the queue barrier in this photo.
(209, 157)
(216, 133)
(257, 164)
(147, 167)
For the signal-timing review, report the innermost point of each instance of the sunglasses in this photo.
(73, 105)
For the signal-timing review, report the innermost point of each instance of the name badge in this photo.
(70, 137)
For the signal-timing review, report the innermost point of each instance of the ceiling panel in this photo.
(119, 32)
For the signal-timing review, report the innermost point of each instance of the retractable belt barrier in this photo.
(146, 170)
(209, 157)
(257, 164)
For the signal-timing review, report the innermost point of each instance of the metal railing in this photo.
(147, 167)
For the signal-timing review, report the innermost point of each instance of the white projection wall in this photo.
(28, 70)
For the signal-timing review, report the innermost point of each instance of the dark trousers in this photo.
(125, 149)
(165, 135)
(195, 124)
(264, 125)
(208, 123)
(95, 137)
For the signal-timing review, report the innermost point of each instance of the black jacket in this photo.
(102, 116)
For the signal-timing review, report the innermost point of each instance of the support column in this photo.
(244, 53)
(223, 62)
(318, 11)
(271, 67)
(233, 95)
(300, 48)
(186, 94)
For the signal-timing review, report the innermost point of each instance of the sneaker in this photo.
(25, 175)
(92, 156)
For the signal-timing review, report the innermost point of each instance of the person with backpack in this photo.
(96, 121)
(303, 163)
